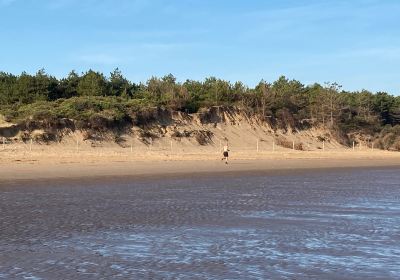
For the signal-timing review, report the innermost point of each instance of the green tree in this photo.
(331, 91)
(46, 85)
(68, 87)
(26, 91)
(119, 85)
(288, 94)
(383, 104)
(264, 98)
(93, 84)
(7, 88)
(316, 99)
(164, 90)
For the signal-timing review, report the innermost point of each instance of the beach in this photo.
(55, 162)
(163, 215)
(244, 140)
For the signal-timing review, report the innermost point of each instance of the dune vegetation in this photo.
(92, 99)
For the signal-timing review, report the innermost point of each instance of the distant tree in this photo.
(383, 104)
(217, 91)
(365, 101)
(288, 94)
(119, 85)
(93, 84)
(264, 97)
(46, 86)
(395, 111)
(68, 87)
(288, 102)
(7, 88)
(316, 100)
(195, 95)
(154, 87)
(165, 90)
(169, 87)
(25, 89)
(332, 96)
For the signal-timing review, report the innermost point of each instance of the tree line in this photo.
(284, 100)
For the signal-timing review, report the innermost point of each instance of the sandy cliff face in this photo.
(161, 128)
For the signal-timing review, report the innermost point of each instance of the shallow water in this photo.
(301, 225)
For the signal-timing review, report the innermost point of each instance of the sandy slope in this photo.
(185, 133)
(254, 146)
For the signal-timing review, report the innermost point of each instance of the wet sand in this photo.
(303, 224)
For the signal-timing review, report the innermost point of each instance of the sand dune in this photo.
(178, 148)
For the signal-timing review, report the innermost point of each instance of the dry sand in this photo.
(55, 162)
(254, 147)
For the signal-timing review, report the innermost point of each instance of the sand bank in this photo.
(39, 165)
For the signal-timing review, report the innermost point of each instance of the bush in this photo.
(281, 141)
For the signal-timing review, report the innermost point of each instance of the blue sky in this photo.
(355, 43)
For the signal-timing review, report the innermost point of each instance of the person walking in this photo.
(225, 153)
